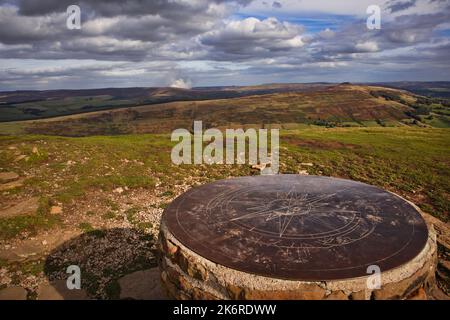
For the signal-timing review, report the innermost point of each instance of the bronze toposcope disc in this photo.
(297, 227)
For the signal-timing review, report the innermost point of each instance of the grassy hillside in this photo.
(63, 169)
(331, 106)
(112, 190)
(27, 105)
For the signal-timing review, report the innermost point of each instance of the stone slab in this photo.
(26, 207)
(57, 290)
(142, 285)
(13, 293)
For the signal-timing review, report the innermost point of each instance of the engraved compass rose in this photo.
(301, 208)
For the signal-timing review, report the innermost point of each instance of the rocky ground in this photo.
(110, 233)
(96, 203)
(113, 247)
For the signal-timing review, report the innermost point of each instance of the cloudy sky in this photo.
(125, 43)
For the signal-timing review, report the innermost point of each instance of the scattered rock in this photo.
(20, 157)
(307, 164)
(8, 177)
(260, 166)
(118, 190)
(35, 150)
(13, 293)
(142, 285)
(55, 210)
(27, 207)
(70, 162)
(303, 172)
(57, 290)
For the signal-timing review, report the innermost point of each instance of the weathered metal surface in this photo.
(297, 227)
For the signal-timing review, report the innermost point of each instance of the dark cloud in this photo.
(395, 5)
(108, 32)
(414, 28)
(277, 5)
(143, 42)
(110, 8)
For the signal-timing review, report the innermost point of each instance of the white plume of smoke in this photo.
(181, 84)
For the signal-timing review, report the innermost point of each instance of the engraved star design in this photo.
(287, 206)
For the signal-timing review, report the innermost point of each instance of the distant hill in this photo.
(343, 105)
(28, 105)
(436, 89)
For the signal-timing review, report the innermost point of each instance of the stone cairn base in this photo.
(185, 275)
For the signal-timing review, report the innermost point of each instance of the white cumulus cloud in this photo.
(367, 46)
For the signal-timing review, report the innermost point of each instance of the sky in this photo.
(185, 43)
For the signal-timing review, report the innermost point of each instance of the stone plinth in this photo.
(294, 237)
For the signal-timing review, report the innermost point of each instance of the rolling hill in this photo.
(343, 105)
(27, 105)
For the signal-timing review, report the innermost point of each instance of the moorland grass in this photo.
(413, 162)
